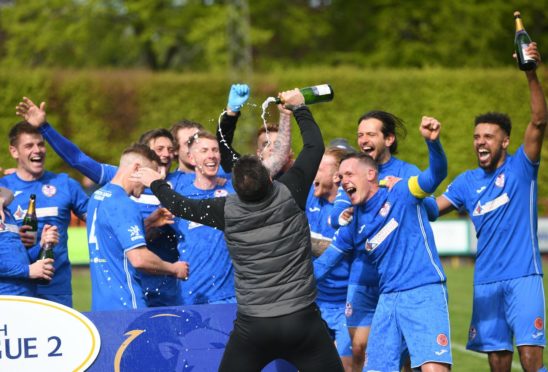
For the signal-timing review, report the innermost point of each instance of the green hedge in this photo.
(104, 111)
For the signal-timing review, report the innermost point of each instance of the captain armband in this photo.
(415, 188)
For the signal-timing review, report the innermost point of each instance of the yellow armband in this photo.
(415, 188)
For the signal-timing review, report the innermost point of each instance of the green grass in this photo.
(459, 282)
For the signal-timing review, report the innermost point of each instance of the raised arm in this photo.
(68, 151)
(428, 180)
(237, 97)
(534, 133)
(282, 145)
(300, 176)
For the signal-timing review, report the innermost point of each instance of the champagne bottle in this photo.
(45, 252)
(30, 218)
(315, 94)
(521, 41)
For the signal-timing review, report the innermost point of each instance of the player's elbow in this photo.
(138, 259)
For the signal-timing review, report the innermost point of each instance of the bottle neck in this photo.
(32, 207)
(519, 24)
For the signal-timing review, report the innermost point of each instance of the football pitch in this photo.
(459, 282)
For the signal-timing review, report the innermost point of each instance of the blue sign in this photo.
(189, 338)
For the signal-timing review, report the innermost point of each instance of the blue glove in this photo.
(239, 93)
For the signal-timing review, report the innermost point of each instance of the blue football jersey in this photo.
(503, 208)
(393, 167)
(332, 288)
(56, 196)
(114, 226)
(14, 260)
(204, 248)
(399, 239)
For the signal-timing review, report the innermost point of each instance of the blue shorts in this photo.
(507, 309)
(336, 321)
(361, 302)
(63, 299)
(417, 317)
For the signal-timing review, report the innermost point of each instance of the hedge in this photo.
(104, 111)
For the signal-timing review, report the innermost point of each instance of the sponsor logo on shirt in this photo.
(40, 212)
(479, 191)
(49, 190)
(98, 260)
(220, 193)
(315, 209)
(361, 229)
(101, 194)
(135, 233)
(17, 193)
(491, 205)
(373, 243)
(500, 180)
(537, 334)
(441, 352)
(19, 213)
(385, 209)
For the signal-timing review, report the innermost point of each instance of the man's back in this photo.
(114, 226)
(269, 242)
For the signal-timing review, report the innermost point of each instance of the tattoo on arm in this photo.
(281, 146)
(319, 246)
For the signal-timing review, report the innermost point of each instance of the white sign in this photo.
(543, 234)
(40, 335)
(452, 236)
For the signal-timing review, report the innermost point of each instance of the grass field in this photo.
(459, 282)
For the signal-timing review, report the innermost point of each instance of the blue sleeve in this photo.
(431, 208)
(10, 268)
(13, 270)
(129, 230)
(436, 172)
(72, 155)
(341, 203)
(79, 199)
(33, 252)
(340, 247)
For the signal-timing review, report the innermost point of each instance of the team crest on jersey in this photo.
(385, 209)
(539, 323)
(49, 190)
(500, 180)
(220, 193)
(135, 232)
(348, 309)
(472, 333)
(442, 340)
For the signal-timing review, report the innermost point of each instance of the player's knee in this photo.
(500, 361)
(531, 358)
